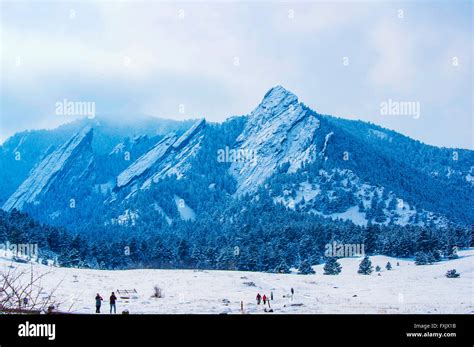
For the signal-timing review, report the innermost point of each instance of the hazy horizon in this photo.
(129, 118)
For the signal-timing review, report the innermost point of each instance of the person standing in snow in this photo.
(98, 303)
(259, 297)
(271, 296)
(113, 298)
(264, 299)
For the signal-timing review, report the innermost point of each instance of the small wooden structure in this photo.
(125, 293)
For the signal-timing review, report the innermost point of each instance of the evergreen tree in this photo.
(388, 266)
(377, 268)
(183, 252)
(282, 268)
(305, 268)
(3, 233)
(423, 258)
(370, 239)
(74, 258)
(435, 255)
(17, 235)
(423, 243)
(365, 266)
(332, 267)
(452, 252)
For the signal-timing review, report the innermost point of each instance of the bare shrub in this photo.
(21, 292)
(157, 292)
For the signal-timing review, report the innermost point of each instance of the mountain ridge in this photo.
(307, 161)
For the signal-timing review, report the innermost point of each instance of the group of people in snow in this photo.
(266, 300)
(262, 298)
(112, 300)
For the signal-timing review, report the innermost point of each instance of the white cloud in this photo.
(190, 60)
(394, 46)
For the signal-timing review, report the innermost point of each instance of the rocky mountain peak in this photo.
(73, 153)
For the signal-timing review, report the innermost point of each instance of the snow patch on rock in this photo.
(185, 212)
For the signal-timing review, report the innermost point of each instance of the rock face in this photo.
(145, 162)
(280, 130)
(66, 164)
(167, 157)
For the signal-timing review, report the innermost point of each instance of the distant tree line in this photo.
(262, 237)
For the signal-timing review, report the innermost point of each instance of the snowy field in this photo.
(405, 289)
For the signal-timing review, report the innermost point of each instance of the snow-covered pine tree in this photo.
(282, 268)
(305, 268)
(388, 266)
(422, 258)
(332, 267)
(435, 255)
(365, 266)
(377, 268)
(452, 252)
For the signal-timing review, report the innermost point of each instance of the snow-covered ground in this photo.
(405, 289)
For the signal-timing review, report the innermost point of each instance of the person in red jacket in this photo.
(264, 299)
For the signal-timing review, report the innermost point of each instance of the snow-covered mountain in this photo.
(280, 130)
(64, 167)
(307, 162)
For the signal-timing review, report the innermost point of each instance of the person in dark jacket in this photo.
(259, 297)
(113, 298)
(98, 303)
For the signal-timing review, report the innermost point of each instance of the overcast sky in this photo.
(218, 60)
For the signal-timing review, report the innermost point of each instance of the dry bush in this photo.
(21, 292)
(158, 292)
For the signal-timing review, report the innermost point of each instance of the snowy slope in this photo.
(405, 289)
(47, 171)
(185, 212)
(309, 197)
